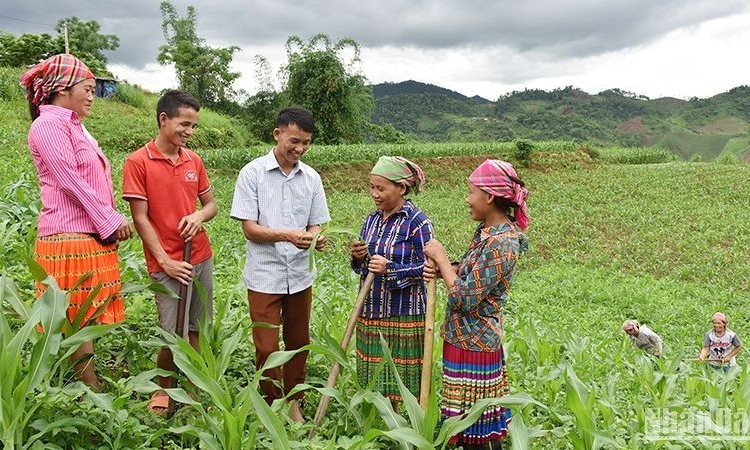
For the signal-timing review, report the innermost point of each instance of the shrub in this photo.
(727, 159)
(130, 95)
(524, 150)
(10, 89)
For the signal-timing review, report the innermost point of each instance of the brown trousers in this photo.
(292, 313)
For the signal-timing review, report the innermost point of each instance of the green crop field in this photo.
(615, 234)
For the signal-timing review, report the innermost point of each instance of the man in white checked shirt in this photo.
(281, 203)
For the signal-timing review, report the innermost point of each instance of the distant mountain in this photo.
(692, 128)
(415, 87)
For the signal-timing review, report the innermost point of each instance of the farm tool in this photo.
(429, 340)
(179, 327)
(324, 400)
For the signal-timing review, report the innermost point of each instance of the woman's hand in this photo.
(431, 271)
(434, 250)
(378, 264)
(358, 250)
(124, 231)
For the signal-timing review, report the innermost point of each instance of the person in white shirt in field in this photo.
(643, 337)
(720, 344)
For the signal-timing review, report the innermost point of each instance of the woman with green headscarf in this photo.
(393, 237)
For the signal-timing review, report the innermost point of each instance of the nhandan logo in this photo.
(190, 175)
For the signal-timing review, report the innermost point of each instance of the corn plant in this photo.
(585, 434)
(21, 379)
(422, 428)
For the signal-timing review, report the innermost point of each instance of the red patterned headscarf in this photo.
(52, 75)
(399, 170)
(500, 179)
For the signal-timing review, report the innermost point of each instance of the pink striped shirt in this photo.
(75, 177)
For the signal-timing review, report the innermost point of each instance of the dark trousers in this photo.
(292, 313)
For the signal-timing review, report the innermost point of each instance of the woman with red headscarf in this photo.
(473, 359)
(78, 228)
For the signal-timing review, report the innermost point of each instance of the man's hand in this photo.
(190, 225)
(301, 239)
(179, 270)
(320, 244)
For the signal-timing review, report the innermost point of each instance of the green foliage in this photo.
(201, 70)
(319, 80)
(386, 134)
(10, 88)
(44, 355)
(131, 95)
(86, 42)
(25, 49)
(634, 155)
(612, 118)
(727, 158)
(524, 150)
(260, 114)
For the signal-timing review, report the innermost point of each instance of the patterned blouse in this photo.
(401, 239)
(474, 316)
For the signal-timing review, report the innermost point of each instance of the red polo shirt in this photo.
(172, 191)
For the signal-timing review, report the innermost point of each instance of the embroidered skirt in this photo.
(467, 377)
(69, 256)
(405, 338)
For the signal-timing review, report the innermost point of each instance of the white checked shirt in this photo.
(282, 202)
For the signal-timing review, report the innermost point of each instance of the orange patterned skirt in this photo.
(69, 256)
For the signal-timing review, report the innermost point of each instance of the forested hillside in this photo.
(695, 128)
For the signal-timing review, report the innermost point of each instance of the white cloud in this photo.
(680, 48)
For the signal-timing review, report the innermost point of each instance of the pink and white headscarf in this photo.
(54, 74)
(500, 179)
(720, 316)
(629, 325)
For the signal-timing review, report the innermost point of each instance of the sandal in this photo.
(159, 403)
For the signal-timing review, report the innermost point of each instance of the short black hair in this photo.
(171, 102)
(296, 115)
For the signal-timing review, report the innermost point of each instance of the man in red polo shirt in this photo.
(162, 181)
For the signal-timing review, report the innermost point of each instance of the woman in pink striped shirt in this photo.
(78, 227)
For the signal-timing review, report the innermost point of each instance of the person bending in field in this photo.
(720, 344)
(163, 181)
(643, 337)
(473, 358)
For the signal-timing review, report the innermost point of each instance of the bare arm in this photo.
(191, 224)
(704, 353)
(301, 238)
(435, 251)
(179, 270)
(731, 354)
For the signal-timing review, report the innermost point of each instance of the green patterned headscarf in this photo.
(399, 170)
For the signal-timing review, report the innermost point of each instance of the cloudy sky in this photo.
(657, 48)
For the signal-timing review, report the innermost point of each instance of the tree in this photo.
(318, 79)
(86, 42)
(201, 70)
(25, 50)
